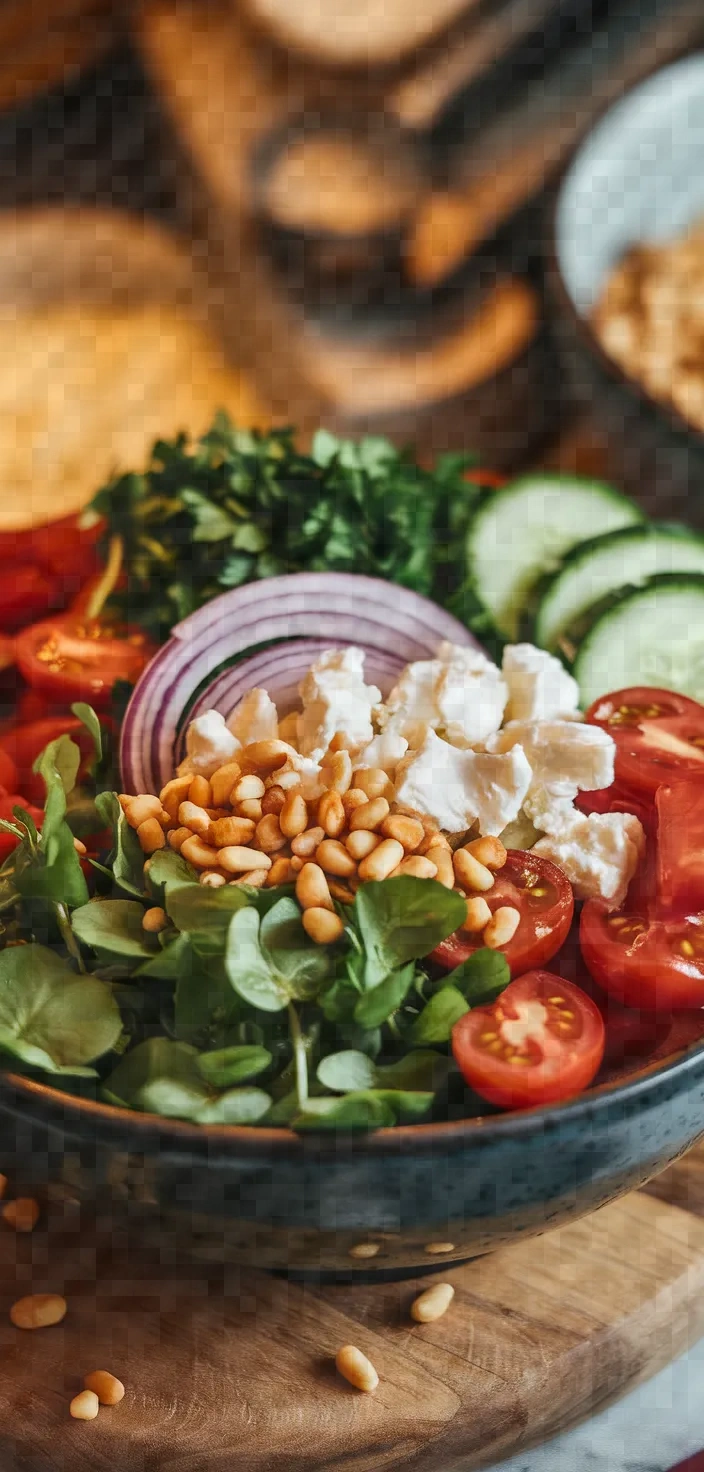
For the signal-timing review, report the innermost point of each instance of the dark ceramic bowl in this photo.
(636, 178)
(422, 1194)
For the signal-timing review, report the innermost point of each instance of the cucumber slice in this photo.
(603, 565)
(653, 635)
(524, 530)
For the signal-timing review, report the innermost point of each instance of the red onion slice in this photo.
(392, 624)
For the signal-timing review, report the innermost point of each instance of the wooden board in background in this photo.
(45, 43)
(233, 1368)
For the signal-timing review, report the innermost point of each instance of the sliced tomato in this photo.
(657, 965)
(680, 848)
(27, 593)
(618, 799)
(22, 746)
(542, 1040)
(73, 659)
(544, 899)
(492, 479)
(659, 736)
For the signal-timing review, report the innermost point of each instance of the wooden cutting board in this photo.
(233, 1369)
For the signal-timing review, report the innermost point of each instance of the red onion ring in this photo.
(298, 616)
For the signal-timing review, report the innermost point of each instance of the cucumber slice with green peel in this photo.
(525, 529)
(652, 635)
(604, 565)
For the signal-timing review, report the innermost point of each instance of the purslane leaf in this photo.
(435, 1023)
(482, 977)
(113, 927)
(401, 920)
(249, 971)
(224, 1067)
(373, 1007)
(51, 1017)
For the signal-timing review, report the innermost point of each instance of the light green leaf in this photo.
(212, 524)
(113, 927)
(435, 1023)
(128, 859)
(89, 719)
(297, 962)
(249, 971)
(400, 920)
(224, 1067)
(168, 871)
(171, 962)
(365, 1110)
(56, 874)
(482, 977)
(346, 1071)
(50, 1017)
(421, 1070)
(376, 1006)
(160, 1077)
(193, 907)
(236, 1106)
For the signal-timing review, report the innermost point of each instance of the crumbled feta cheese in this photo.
(566, 757)
(335, 698)
(385, 751)
(460, 693)
(599, 854)
(459, 787)
(255, 718)
(209, 745)
(312, 783)
(547, 810)
(539, 686)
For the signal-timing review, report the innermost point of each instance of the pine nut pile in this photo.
(249, 823)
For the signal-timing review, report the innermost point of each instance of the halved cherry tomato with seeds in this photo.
(72, 659)
(542, 895)
(657, 965)
(542, 1040)
(22, 746)
(659, 736)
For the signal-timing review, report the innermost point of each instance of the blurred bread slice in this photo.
(355, 33)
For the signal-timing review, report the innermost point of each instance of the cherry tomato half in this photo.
(22, 746)
(542, 1040)
(659, 736)
(72, 659)
(542, 895)
(657, 965)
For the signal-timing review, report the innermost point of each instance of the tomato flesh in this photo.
(542, 1040)
(72, 659)
(544, 899)
(654, 964)
(22, 746)
(659, 736)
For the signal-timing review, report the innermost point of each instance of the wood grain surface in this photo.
(229, 1368)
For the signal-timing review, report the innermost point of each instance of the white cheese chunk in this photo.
(385, 751)
(335, 698)
(460, 788)
(312, 783)
(566, 756)
(548, 811)
(599, 854)
(539, 686)
(209, 745)
(460, 694)
(255, 718)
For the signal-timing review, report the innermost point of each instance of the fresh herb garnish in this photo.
(237, 505)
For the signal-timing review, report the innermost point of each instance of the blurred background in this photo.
(303, 212)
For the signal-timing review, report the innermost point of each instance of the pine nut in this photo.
(200, 854)
(151, 836)
(288, 728)
(323, 926)
(371, 780)
(38, 1311)
(84, 1406)
(296, 864)
(370, 815)
(337, 771)
(356, 1368)
(334, 859)
(236, 859)
(293, 818)
(352, 799)
(384, 859)
(79, 846)
(341, 892)
(488, 851)
(442, 859)
(173, 794)
(251, 808)
(217, 814)
(331, 814)
(502, 927)
(212, 880)
(340, 742)
(22, 1214)
(280, 873)
(139, 809)
(177, 838)
(232, 830)
(190, 815)
(268, 835)
(200, 792)
(478, 915)
(223, 781)
(124, 799)
(470, 873)
(364, 1249)
(434, 1249)
(3, 1185)
(408, 831)
(154, 920)
(312, 890)
(255, 878)
(417, 866)
(434, 840)
(284, 778)
(265, 756)
(273, 801)
(433, 1303)
(306, 843)
(248, 787)
(109, 1390)
(360, 843)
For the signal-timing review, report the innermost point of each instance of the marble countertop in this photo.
(657, 1425)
